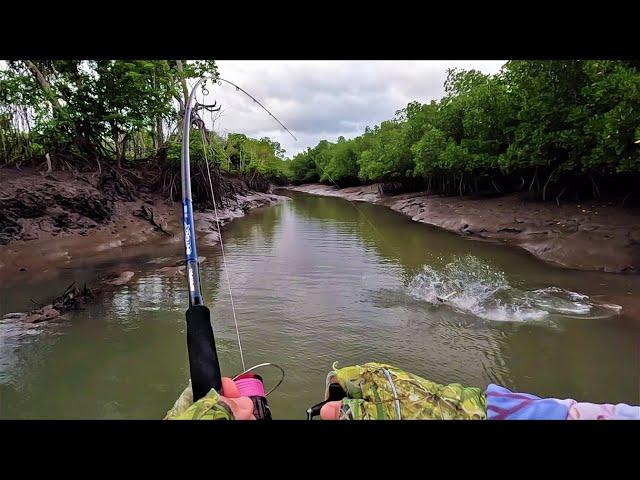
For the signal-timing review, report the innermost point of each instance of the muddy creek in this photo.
(317, 280)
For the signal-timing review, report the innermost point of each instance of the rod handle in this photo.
(204, 366)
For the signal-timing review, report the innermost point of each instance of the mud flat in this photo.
(59, 221)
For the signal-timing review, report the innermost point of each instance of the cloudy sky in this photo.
(325, 99)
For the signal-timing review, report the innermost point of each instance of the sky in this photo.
(324, 99)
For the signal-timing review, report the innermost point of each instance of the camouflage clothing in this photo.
(377, 391)
(209, 407)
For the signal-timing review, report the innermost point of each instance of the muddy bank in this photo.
(585, 236)
(66, 221)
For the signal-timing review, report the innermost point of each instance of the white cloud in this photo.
(325, 99)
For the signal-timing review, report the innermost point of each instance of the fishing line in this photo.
(224, 257)
(314, 160)
(256, 101)
(210, 108)
(353, 203)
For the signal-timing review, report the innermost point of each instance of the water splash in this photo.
(474, 287)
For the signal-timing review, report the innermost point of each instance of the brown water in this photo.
(317, 280)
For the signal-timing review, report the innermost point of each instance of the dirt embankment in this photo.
(54, 222)
(585, 236)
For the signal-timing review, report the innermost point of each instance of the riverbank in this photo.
(593, 236)
(65, 221)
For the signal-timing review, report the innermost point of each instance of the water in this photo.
(317, 280)
(471, 286)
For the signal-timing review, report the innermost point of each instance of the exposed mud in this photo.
(65, 221)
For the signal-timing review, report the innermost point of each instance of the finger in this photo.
(229, 388)
(331, 410)
(245, 407)
(242, 408)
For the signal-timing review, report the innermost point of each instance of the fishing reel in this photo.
(334, 393)
(252, 385)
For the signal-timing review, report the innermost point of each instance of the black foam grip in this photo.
(203, 358)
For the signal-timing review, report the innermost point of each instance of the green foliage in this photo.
(576, 117)
(386, 156)
(327, 162)
(116, 109)
(198, 151)
(610, 116)
(558, 118)
(242, 154)
(129, 95)
(303, 168)
(104, 108)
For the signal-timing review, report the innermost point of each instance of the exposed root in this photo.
(71, 299)
(147, 214)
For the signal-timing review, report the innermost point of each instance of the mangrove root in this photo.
(147, 214)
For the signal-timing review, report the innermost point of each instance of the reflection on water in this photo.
(317, 280)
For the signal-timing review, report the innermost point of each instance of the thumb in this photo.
(331, 410)
(229, 388)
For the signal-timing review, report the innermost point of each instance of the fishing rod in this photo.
(256, 101)
(204, 365)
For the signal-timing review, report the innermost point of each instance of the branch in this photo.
(183, 81)
(44, 84)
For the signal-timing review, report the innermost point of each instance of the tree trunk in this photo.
(44, 84)
(182, 100)
(533, 179)
(49, 167)
(117, 144)
(544, 189)
(159, 136)
(80, 139)
(183, 81)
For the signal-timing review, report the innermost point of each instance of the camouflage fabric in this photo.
(209, 407)
(382, 392)
(375, 391)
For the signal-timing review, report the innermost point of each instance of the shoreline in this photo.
(59, 230)
(590, 236)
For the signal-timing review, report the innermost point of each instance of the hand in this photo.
(331, 410)
(242, 407)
